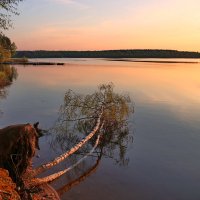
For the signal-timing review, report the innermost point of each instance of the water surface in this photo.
(164, 156)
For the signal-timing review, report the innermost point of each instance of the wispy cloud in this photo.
(64, 1)
(71, 2)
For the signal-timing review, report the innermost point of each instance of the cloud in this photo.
(64, 1)
(70, 2)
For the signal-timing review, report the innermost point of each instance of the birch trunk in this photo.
(50, 178)
(62, 157)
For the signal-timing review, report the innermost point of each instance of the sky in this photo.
(107, 24)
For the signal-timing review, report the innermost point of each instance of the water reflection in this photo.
(78, 116)
(80, 179)
(7, 75)
(164, 159)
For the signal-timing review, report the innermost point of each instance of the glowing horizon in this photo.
(104, 25)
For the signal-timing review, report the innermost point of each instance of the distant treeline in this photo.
(146, 53)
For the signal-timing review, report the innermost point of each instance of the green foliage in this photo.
(116, 106)
(7, 48)
(4, 54)
(78, 115)
(7, 7)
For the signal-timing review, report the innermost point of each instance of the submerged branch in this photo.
(79, 119)
(75, 182)
(59, 159)
(59, 174)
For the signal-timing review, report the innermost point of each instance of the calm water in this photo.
(164, 158)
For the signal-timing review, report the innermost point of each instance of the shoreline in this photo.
(32, 63)
(152, 61)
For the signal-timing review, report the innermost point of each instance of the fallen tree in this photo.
(101, 117)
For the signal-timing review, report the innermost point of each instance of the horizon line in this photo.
(118, 50)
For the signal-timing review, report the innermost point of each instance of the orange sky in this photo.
(113, 24)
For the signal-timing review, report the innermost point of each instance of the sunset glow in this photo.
(113, 24)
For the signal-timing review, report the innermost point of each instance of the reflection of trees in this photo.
(78, 116)
(88, 125)
(7, 75)
(80, 179)
(3, 92)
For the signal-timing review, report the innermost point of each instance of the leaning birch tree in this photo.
(100, 117)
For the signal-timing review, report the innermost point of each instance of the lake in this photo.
(162, 161)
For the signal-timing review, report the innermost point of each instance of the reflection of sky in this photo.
(164, 158)
(113, 24)
(174, 86)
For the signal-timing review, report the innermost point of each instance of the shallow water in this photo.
(164, 156)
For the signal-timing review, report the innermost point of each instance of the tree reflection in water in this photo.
(7, 75)
(80, 179)
(78, 116)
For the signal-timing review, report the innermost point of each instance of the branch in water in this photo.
(52, 177)
(59, 159)
(75, 182)
(78, 119)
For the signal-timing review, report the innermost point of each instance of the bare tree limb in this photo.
(59, 159)
(52, 177)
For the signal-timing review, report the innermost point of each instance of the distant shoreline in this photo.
(153, 61)
(25, 61)
(112, 54)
